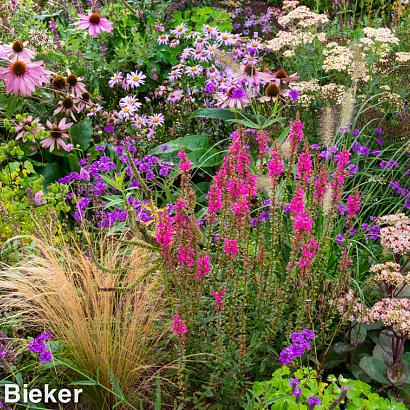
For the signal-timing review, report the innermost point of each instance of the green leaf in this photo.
(215, 113)
(51, 172)
(375, 368)
(81, 133)
(205, 158)
(190, 142)
(116, 387)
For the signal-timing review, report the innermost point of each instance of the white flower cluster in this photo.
(393, 100)
(291, 40)
(308, 90)
(302, 17)
(333, 92)
(337, 58)
(379, 40)
(402, 57)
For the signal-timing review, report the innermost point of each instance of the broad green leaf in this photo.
(81, 133)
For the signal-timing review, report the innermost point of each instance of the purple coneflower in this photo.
(94, 23)
(58, 136)
(22, 77)
(16, 51)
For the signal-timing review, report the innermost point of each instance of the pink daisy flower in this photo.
(163, 39)
(117, 78)
(156, 120)
(58, 136)
(140, 121)
(94, 23)
(179, 30)
(22, 77)
(16, 51)
(136, 79)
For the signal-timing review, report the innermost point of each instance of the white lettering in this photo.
(35, 395)
(11, 393)
(64, 396)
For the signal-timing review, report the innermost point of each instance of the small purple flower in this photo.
(376, 152)
(378, 131)
(38, 198)
(297, 392)
(313, 401)
(380, 141)
(354, 169)
(339, 238)
(294, 94)
(293, 382)
(100, 147)
(356, 132)
(109, 129)
(45, 356)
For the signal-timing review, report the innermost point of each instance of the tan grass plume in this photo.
(99, 304)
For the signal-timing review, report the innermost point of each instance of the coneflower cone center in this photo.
(85, 96)
(281, 73)
(18, 68)
(68, 103)
(94, 18)
(272, 90)
(250, 70)
(55, 132)
(17, 46)
(72, 80)
(59, 82)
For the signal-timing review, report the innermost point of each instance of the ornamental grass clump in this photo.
(102, 307)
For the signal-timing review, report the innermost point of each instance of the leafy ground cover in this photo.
(205, 204)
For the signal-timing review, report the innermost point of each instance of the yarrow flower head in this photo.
(94, 23)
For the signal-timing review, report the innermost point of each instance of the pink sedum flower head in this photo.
(58, 136)
(22, 77)
(94, 23)
(16, 51)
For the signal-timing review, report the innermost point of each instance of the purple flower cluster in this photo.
(404, 192)
(39, 346)
(300, 344)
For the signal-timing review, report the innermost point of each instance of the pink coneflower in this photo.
(83, 102)
(136, 79)
(284, 77)
(28, 122)
(272, 92)
(75, 84)
(58, 136)
(234, 97)
(67, 106)
(156, 120)
(16, 51)
(22, 77)
(95, 23)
